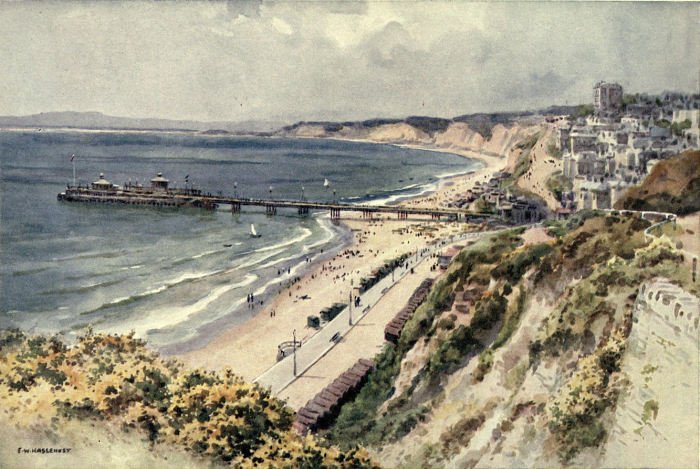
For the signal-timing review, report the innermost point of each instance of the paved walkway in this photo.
(365, 340)
(284, 372)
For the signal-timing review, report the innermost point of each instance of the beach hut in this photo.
(313, 321)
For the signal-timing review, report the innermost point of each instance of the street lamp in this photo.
(235, 190)
(302, 193)
(350, 310)
(294, 345)
(270, 192)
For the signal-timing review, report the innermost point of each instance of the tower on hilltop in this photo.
(607, 98)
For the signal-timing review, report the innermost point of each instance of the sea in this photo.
(178, 277)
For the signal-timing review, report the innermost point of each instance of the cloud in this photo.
(347, 7)
(334, 60)
(247, 8)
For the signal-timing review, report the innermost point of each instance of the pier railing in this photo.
(181, 198)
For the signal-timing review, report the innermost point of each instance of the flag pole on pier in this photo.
(72, 160)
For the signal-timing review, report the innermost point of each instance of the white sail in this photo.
(252, 230)
(326, 183)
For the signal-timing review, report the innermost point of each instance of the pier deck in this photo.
(177, 199)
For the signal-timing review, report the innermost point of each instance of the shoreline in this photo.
(209, 332)
(250, 348)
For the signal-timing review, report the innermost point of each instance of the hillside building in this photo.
(607, 99)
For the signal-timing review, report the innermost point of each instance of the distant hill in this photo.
(673, 185)
(481, 123)
(97, 120)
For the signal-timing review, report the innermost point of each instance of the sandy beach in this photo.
(251, 348)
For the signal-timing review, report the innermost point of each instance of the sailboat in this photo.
(326, 183)
(253, 233)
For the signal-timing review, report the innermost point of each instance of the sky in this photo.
(291, 60)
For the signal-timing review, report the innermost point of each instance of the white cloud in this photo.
(282, 26)
(311, 60)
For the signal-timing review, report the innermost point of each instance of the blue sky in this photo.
(309, 60)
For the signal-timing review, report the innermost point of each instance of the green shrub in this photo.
(488, 312)
(582, 110)
(515, 266)
(451, 352)
(556, 229)
(512, 319)
(651, 410)
(557, 184)
(447, 323)
(485, 364)
(560, 340)
(507, 289)
(678, 127)
(459, 435)
(553, 150)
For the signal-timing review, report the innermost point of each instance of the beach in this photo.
(251, 348)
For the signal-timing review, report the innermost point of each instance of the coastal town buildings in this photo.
(516, 208)
(602, 150)
(617, 145)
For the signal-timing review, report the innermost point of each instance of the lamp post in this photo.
(294, 345)
(270, 192)
(302, 193)
(235, 190)
(350, 310)
(72, 160)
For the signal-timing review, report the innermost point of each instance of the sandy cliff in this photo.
(561, 353)
(506, 142)
(457, 135)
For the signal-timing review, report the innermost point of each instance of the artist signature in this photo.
(21, 450)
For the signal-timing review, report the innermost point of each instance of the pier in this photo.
(159, 195)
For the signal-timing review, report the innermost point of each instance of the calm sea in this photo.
(176, 277)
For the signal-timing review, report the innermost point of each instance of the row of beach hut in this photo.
(392, 331)
(324, 407)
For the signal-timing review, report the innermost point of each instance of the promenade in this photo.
(286, 371)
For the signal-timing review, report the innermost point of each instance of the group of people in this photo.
(251, 301)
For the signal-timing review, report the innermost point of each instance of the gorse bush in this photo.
(574, 415)
(110, 377)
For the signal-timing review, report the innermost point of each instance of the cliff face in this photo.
(532, 161)
(457, 135)
(661, 363)
(545, 355)
(397, 133)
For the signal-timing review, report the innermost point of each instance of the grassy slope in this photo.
(591, 272)
(673, 185)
